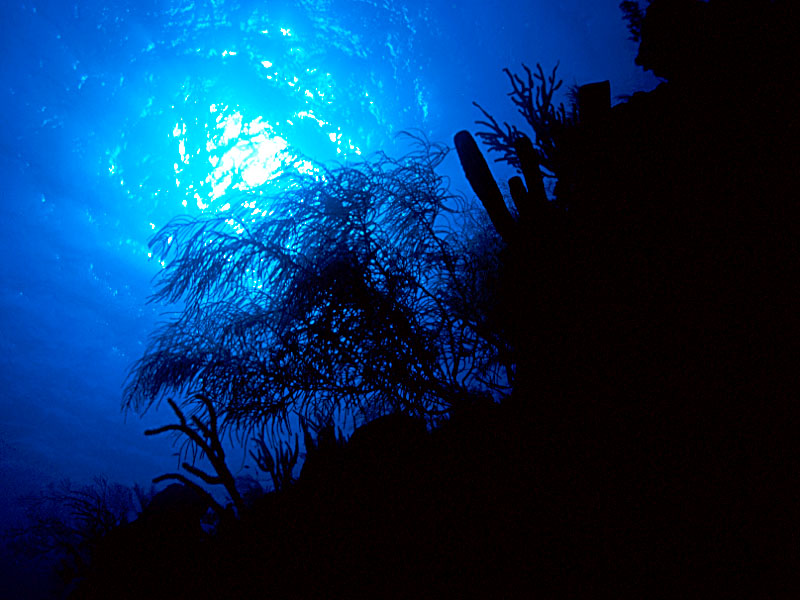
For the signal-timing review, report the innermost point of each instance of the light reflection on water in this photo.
(225, 136)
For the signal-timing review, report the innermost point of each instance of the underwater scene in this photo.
(326, 298)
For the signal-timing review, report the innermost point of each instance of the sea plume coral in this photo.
(349, 293)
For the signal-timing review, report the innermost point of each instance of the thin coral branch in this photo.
(199, 473)
(498, 138)
(208, 443)
(347, 297)
(280, 466)
(533, 95)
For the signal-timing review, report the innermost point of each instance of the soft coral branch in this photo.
(532, 94)
(206, 437)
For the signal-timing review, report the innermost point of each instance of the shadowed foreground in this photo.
(396, 511)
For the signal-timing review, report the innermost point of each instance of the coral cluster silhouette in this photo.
(640, 316)
(351, 297)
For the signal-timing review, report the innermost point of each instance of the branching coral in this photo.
(350, 292)
(281, 464)
(533, 97)
(205, 437)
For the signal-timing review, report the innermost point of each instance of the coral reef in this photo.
(643, 313)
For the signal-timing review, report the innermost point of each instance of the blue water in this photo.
(118, 115)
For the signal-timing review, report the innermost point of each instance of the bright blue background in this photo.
(91, 95)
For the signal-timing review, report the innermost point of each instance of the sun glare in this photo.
(219, 144)
(244, 154)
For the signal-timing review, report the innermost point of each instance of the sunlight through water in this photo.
(238, 117)
(243, 154)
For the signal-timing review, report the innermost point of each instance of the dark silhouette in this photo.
(353, 298)
(203, 438)
(648, 305)
(280, 463)
(155, 556)
(643, 310)
(534, 98)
